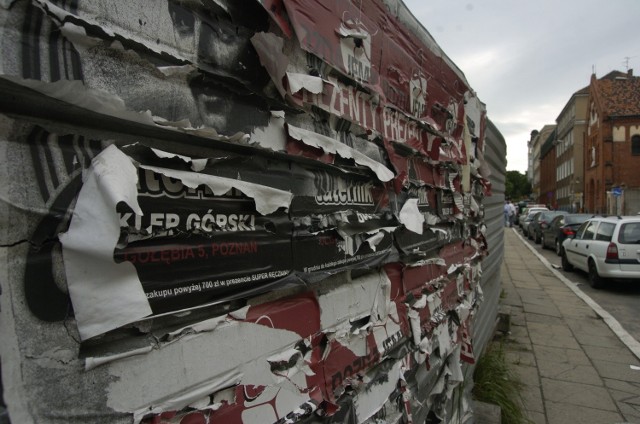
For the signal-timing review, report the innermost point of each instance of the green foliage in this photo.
(517, 186)
(495, 383)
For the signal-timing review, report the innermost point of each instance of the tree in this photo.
(517, 186)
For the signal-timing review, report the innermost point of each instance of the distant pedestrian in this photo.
(507, 209)
(512, 213)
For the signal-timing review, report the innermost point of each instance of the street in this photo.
(619, 298)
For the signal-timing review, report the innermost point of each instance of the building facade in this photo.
(612, 146)
(570, 134)
(533, 174)
(537, 139)
(548, 188)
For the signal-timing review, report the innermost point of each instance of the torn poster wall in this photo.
(234, 211)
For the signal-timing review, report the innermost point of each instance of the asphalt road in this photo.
(620, 298)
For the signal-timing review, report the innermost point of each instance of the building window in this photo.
(635, 145)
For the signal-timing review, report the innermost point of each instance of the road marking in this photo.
(613, 324)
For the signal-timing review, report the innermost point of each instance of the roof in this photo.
(584, 90)
(613, 75)
(619, 93)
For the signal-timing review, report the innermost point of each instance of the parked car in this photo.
(561, 227)
(541, 223)
(605, 247)
(525, 214)
(528, 228)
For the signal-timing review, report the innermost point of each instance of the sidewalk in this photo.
(574, 367)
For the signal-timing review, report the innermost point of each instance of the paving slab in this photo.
(584, 395)
(532, 399)
(525, 358)
(553, 340)
(562, 355)
(541, 319)
(558, 413)
(537, 417)
(589, 325)
(526, 374)
(628, 404)
(564, 371)
(599, 340)
(549, 309)
(520, 344)
(545, 278)
(576, 311)
(611, 354)
(556, 329)
(616, 371)
(525, 284)
(519, 331)
(511, 298)
(631, 388)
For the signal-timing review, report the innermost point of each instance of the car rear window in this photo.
(630, 233)
(605, 231)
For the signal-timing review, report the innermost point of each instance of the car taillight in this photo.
(568, 231)
(612, 252)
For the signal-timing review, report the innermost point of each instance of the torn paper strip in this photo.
(269, 47)
(196, 164)
(299, 81)
(267, 199)
(330, 145)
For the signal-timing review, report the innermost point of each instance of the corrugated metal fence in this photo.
(495, 155)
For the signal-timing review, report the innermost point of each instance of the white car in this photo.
(605, 247)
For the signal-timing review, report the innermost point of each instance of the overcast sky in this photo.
(526, 58)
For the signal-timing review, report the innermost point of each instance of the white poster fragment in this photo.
(105, 295)
(411, 216)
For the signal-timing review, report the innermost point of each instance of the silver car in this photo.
(605, 247)
(528, 213)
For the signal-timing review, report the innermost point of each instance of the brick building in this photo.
(612, 145)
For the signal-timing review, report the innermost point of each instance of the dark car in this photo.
(528, 222)
(541, 222)
(561, 227)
